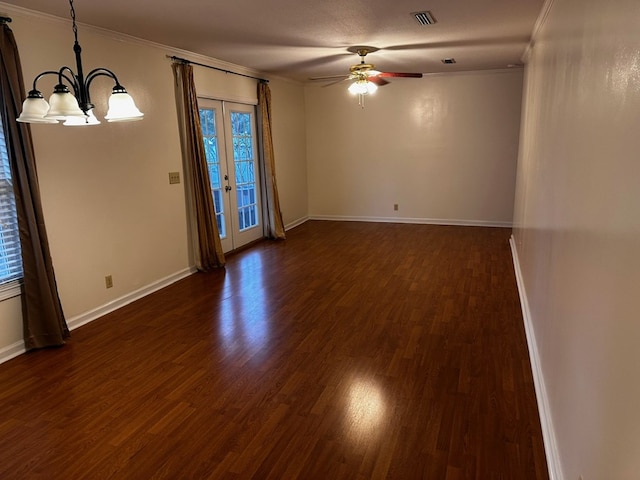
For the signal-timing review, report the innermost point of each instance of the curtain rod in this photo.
(4, 20)
(184, 60)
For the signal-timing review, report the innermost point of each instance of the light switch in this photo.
(174, 177)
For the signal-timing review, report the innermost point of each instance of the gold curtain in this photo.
(204, 228)
(275, 225)
(43, 319)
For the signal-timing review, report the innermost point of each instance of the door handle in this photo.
(227, 188)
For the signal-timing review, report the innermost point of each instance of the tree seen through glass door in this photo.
(210, 135)
(243, 156)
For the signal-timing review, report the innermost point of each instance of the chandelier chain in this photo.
(73, 20)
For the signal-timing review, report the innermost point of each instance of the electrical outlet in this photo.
(108, 281)
(174, 177)
(395, 207)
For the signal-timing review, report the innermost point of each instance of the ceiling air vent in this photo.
(424, 18)
(448, 60)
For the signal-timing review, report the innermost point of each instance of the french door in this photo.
(229, 134)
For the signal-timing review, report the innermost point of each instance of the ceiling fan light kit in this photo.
(364, 76)
(362, 87)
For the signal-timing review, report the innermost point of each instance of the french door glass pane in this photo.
(210, 137)
(243, 156)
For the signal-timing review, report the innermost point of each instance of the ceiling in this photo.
(299, 39)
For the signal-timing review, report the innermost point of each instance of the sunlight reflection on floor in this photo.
(366, 407)
(243, 319)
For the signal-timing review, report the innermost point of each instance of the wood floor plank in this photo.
(350, 350)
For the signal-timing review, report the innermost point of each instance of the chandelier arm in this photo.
(40, 75)
(73, 79)
(92, 75)
(60, 76)
(101, 72)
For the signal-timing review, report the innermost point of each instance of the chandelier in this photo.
(76, 109)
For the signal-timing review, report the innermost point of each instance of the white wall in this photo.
(289, 139)
(11, 334)
(444, 148)
(108, 205)
(577, 232)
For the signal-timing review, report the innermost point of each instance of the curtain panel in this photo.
(275, 225)
(204, 228)
(43, 318)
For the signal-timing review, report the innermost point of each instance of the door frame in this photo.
(234, 237)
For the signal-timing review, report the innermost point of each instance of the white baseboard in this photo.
(419, 221)
(548, 433)
(18, 348)
(295, 223)
(98, 312)
(12, 351)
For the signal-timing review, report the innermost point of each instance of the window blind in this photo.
(10, 255)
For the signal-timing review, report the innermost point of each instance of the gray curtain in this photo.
(275, 225)
(44, 323)
(207, 246)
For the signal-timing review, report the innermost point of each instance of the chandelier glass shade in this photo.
(76, 109)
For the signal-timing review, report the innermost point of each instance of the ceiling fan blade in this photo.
(330, 77)
(381, 82)
(335, 82)
(365, 71)
(400, 74)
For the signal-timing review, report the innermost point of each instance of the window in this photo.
(210, 136)
(10, 257)
(244, 163)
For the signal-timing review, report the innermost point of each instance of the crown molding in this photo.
(537, 27)
(167, 49)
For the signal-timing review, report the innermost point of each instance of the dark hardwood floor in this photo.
(349, 351)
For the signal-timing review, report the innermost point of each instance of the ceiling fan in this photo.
(365, 72)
